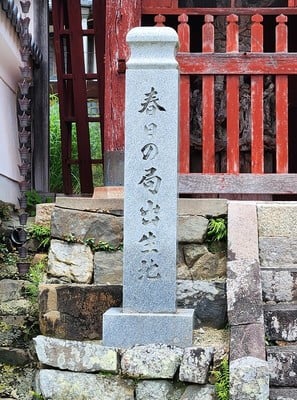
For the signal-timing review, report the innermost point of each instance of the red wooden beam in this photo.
(257, 116)
(238, 63)
(155, 9)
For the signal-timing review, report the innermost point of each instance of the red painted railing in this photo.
(232, 64)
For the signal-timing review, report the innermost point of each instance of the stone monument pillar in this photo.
(149, 313)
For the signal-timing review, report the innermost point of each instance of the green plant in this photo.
(33, 198)
(42, 233)
(101, 245)
(217, 230)
(37, 396)
(6, 256)
(35, 277)
(222, 380)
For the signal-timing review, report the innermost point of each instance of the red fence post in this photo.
(183, 31)
(257, 116)
(232, 100)
(281, 100)
(208, 102)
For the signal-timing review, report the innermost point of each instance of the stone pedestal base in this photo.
(123, 329)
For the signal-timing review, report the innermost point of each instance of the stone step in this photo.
(282, 363)
(282, 394)
(279, 284)
(281, 321)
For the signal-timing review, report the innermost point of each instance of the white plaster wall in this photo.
(10, 61)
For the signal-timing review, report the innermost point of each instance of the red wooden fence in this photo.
(232, 64)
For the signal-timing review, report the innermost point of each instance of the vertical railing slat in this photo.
(257, 116)
(232, 100)
(184, 124)
(208, 102)
(281, 100)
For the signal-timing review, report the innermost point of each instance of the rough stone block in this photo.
(195, 364)
(278, 219)
(276, 252)
(203, 207)
(192, 229)
(114, 206)
(11, 290)
(279, 285)
(282, 394)
(44, 213)
(85, 225)
(73, 386)
(151, 362)
(14, 356)
(197, 392)
(75, 311)
(281, 322)
(72, 262)
(244, 292)
(245, 244)
(249, 379)
(207, 298)
(124, 329)
(247, 340)
(108, 268)
(154, 390)
(282, 363)
(87, 356)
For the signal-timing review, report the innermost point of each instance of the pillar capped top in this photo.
(152, 34)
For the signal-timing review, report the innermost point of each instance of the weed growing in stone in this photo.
(217, 230)
(222, 380)
(42, 233)
(35, 277)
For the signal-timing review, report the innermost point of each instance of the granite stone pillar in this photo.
(149, 313)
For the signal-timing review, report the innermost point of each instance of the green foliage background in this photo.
(56, 180)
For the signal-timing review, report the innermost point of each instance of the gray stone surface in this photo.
(85, 225)
(151, 192)
(197, 392)
(277, 219)
(154, 390)
(281, 322)
(282, 363)
(106, 205)
(242, 217)
(247, 340)
(203, 207)
(108, 267)
(244, 292)
(249, 379)
(195, 364)
(276, 252)
(77, 356)
(11, 290)
(71, 261)
(151, 362)
(208, 300)
(61, 385)
(146, 328)
(150, 213)
(282, 394)
(192, 229)
(279, 285)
